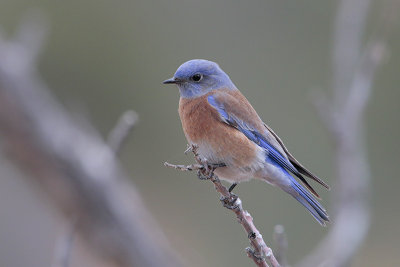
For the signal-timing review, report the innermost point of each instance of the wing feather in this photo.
(295, 162)
(273, 145)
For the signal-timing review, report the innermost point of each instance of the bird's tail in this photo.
(307, 200)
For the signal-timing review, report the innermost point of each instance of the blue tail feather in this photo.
(303, 196)
(308, 201)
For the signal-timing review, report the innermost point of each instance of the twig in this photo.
(121, 130)
(259, 252)
(192, 167)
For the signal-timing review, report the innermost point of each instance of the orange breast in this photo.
(202, 125)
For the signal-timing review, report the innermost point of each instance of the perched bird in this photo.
(227, 130)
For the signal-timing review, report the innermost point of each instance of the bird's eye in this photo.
(197, 77)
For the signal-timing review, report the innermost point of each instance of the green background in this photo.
(104, 57)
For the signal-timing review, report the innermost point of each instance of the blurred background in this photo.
(105, 57)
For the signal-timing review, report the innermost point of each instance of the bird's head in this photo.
(197, 77)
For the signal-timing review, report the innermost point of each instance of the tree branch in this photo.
(259, 252)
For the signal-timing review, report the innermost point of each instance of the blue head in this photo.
(197, 77)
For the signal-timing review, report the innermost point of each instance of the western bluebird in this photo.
(224, 126)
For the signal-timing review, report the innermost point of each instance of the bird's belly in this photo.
(239, 166)
(233, 174)
(220, 143)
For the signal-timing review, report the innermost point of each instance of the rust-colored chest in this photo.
(217, 140)
(198, 118)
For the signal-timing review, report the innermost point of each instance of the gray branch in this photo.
(259, 252)
(121, 130)
(70, 161)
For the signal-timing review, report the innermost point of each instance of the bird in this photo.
(227, 131)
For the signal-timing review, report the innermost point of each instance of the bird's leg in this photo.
(232, 187)
(230, 202)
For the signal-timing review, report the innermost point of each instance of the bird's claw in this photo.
(202, 175)
(206, 173)
(229, 202)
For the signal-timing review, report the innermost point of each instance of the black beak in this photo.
(170, 81)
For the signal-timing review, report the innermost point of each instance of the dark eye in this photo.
(197, 77)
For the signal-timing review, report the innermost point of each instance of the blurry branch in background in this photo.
(281, 245)
(354, 68)
(64, 247)
(122, 129)
(69, 160)
(259, 252)
(116, 139)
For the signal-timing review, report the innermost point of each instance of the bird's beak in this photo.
(171, 81)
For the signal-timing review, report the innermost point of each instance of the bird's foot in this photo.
(206, 172)
(204, 175)
(230, 202)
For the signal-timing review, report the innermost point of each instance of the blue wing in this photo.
(276, 158)
(258, 138)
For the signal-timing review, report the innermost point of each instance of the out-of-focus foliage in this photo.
(104, 57)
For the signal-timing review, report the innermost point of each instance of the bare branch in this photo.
(325, 111)
(360, 89)
(259, 252)
(70, 161)
(121, 130)
(192, 167)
